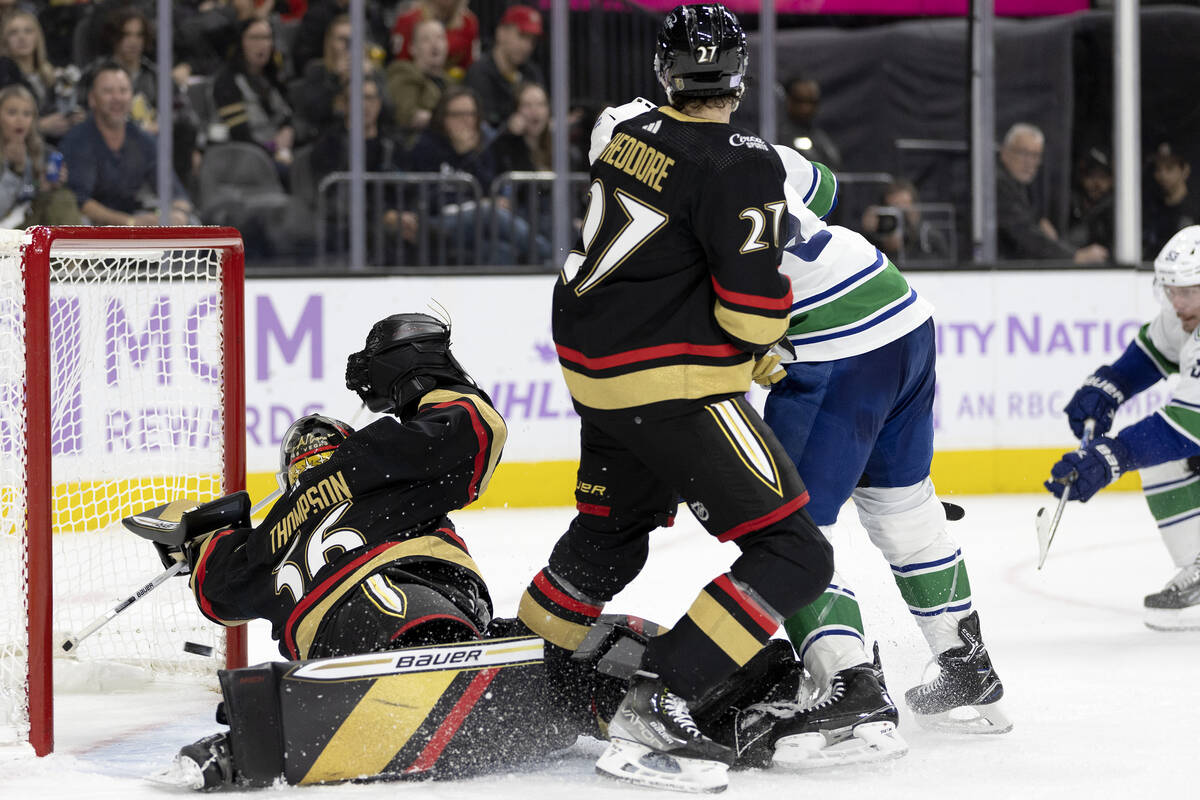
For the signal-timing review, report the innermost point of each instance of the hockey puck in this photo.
(198, 649)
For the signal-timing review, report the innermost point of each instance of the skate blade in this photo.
(871, 741)
(974, 719)
(1173, 619)
(635, 763)
(184, 773)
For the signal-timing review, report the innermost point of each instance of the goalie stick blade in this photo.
(635, 763)
(872, 741)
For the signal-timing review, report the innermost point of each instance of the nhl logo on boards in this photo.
(699, 510)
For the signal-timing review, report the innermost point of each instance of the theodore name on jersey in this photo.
(637, 159)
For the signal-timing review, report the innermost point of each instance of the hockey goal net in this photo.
(121, 388)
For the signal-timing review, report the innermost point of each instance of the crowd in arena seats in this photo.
(260, 118)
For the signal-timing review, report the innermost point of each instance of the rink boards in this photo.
(1012, 348)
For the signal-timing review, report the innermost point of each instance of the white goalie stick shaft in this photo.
(1046, 537)
(71, 642)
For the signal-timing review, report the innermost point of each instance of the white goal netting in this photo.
(137, 381)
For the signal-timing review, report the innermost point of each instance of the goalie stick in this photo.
(72, 641)
(1047, 525)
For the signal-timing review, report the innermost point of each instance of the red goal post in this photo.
(122, 387)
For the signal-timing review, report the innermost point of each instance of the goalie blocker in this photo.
(451, 710)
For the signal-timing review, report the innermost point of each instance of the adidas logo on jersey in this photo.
(653, 126)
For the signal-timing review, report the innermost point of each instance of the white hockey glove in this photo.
(609, 118)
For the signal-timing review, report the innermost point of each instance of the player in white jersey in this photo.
(855, 413)
(1163, 446)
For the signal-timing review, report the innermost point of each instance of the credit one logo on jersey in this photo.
(742, 140)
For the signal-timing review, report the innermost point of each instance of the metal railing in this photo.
(443, 234)
(453, 222)
(529, 197)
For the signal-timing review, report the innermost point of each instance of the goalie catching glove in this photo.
(1089, 469)
(406, 356)
(771, 367)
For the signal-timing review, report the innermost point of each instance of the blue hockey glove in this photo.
(1089, 469)
(1097, 399)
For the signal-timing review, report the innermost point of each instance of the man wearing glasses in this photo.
(1022, 229)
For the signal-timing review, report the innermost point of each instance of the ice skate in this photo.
(653, 741)
(205, 765)
(855, 722)
(965, 696)
(1177, 606)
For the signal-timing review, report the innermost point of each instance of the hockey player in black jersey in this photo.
(665, 311)
(363, 512)
(358, 554)
(396, 668)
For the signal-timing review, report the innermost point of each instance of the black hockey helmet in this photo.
(701, 52)
(309, 441)
(406, 355)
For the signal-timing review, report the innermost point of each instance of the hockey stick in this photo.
(1047, 526)
(71, 642)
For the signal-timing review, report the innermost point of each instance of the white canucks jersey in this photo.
(848, 298)
(1172, 349)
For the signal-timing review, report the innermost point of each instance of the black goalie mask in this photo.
(701, 52)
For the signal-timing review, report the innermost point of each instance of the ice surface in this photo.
(1103, 707)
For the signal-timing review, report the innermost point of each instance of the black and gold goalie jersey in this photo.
(674, 283)
(378, 502)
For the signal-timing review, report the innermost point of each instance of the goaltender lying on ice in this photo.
(448, 710)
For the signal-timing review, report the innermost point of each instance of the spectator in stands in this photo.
(461, 27)
(204, 29)
(125, 38)
(28, 195)
(1171, 207)
(1023, 230)
(324, 79)
(113, 161)
(497, 74)
(9, 6)
(309, 43)
(1091, 215)
(897, 227)
(525, 146)
(331, 153)
(249, 97)
(454, 142)
(415, 86)
(54, 89)
(798, 128)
